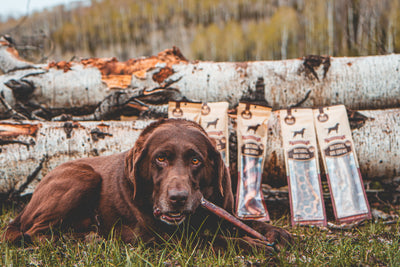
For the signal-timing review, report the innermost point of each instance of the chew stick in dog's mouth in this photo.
(232, 219)
(172, 218)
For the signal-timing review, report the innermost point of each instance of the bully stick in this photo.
(230, 218)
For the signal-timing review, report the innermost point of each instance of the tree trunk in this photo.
(79, 87)
(24, 146)
(105, 89)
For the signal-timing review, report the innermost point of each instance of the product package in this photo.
(214, 120)
(302, 167)
(252, 136)
(184, 110)
(343, 174)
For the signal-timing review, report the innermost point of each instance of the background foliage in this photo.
(219, 30)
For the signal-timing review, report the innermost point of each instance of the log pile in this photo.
(59, 111)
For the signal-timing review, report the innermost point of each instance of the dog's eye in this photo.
(195, 161)
(161, 158)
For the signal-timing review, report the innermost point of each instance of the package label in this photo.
(214, 120)
(252, 136)
(302, 167)
(347, 190)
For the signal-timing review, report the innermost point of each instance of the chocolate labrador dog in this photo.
(144, 193)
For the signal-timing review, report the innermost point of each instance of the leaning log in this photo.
(28, 145)
(80, 87)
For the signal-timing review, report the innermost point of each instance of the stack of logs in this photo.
(55, 112)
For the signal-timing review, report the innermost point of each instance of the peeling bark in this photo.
(9, 58)
(63, 141)
(106, 89)
(58, 142)
(90, 89)
(78, 88)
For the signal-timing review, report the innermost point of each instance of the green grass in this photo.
(373, 244)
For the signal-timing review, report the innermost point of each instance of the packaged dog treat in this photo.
(302, 167)
(214, 119)
(252, 136)
(343, 174)
(184, 110)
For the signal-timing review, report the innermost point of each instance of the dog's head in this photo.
(173, 164)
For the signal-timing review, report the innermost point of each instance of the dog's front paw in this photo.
(275, 235)
(250, 243)
(279, 236)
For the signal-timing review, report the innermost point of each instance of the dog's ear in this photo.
(223, 179)
(130, 162)
(137, 153)
(222, 182)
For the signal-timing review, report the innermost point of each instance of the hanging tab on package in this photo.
(184, 110)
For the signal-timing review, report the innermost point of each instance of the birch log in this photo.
(26, 145)
(370, 82)
(80, 87)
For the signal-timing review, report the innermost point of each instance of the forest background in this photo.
(218, 30)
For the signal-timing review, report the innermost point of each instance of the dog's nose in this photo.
(178, 196)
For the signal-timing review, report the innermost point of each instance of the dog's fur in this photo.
(142, 194)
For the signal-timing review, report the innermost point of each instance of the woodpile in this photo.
(60, 111)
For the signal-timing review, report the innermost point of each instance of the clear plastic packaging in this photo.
(252, 136)
(302, 167)
(343, 173)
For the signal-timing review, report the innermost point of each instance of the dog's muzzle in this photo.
(171, 218)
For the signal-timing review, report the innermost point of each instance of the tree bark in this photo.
(24, 146)
(77, 88)
(82, 88)
(104, 89)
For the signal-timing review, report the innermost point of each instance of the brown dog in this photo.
(142, 193)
